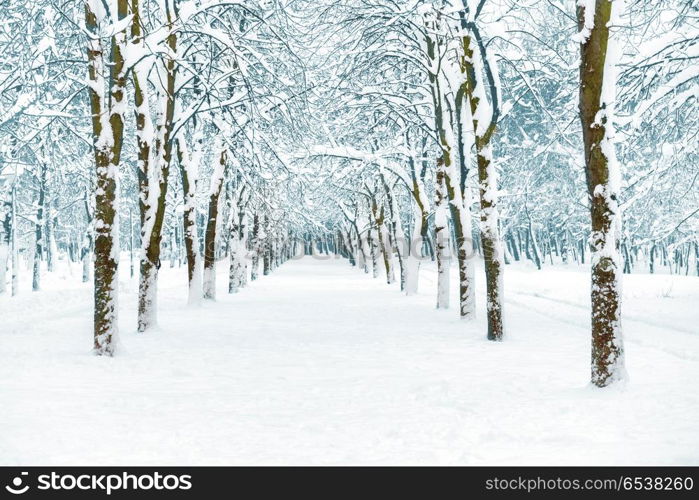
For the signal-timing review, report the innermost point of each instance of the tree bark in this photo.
(395, 233)
(419, 233)
(474, 91)
(107, 130)
(154, 185)
(452, 152)
(210, 236)
(379, 218)
(254, 248)
(191, 233)
(441, 233)
(602, 184)
(237, 242)
(39, 231)
(88, 243)
(5, 234)
(15, 245)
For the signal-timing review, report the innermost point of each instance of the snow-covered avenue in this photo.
(349, 232)
(318, 363)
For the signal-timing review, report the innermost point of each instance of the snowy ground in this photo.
(320, 364)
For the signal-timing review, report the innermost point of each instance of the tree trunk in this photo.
(373, 249)
(266, 262)
(514, 247)
(536, 253)
(51, 248)
(379, 219)
(173, 243)
(210, 237)
(627, 259)
(492, 248)
(474, 90)
(395, 231)
(188, 172)
(254, 250)
(441, 234)
(6, 234)
(365, 251)
(419, 233)
(88, 243)
(131, 245)
(107, 130)
(15, 245)
(39, 231)
(154, 184)
(236, 243)
(452, 153)
(460, 204)
(602, 174)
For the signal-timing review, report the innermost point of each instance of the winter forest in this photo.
(349, 232)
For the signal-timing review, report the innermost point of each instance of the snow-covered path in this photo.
(320, 364)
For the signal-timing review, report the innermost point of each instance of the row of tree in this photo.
(198, 129)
